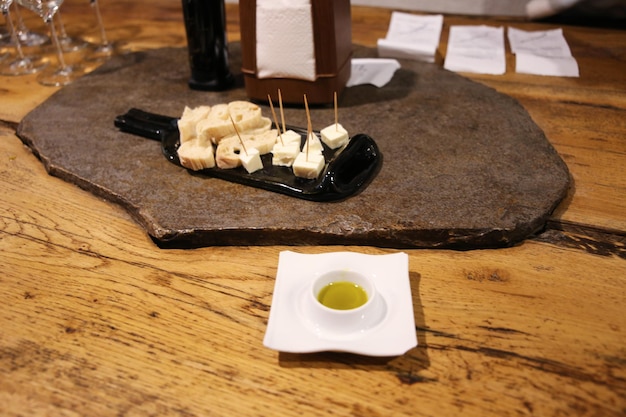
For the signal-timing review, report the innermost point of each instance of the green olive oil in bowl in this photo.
(343, 301)
(342, 295)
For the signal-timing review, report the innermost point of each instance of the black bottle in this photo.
(205, 25)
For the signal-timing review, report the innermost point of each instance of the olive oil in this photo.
(342, 295)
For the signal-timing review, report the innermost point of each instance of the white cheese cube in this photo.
(334, 136)
(251, 161)
(308, 167)
(284, 155)
(313, 145)
(290, 137)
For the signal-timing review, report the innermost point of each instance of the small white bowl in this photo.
(358, 319)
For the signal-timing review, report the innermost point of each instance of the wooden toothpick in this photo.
(282, 113)
(280, 136)
(238, 135)
(336, 113)
(309, 128)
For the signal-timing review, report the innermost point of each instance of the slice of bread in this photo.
(229, 148)
(204, 127)
(217, 125)
(189, 120)
(195, 155)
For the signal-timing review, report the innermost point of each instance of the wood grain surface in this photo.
(95, 320)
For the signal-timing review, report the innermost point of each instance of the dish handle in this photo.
(148, 125)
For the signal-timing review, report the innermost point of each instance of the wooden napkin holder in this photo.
(332, 35)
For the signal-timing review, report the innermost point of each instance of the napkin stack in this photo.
(542, 53)
(284, 37)
(411, 37)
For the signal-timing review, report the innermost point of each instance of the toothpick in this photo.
(280, 136)
(309, 129)
(238, 135)
(282, 113)
(336, 114)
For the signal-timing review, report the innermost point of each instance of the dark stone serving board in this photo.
(463, 165)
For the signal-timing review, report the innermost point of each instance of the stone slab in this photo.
(463, 165)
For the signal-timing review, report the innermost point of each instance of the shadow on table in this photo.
(406, 367)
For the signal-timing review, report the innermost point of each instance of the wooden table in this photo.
(98, 321)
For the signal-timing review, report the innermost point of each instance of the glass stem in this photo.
(103, 35)
(14, 38)
(62, 32)
(57, 45)
(21, 27)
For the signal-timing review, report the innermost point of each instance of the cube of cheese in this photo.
(308, 167)
(251, 160)
(334, 136)
(313, 145)
(284, 155)
(290, 137)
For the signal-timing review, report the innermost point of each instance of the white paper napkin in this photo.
(411, 37)
(375, 71)
(284, 39)
(477, 49)
(543, 42)
(543, 65)
(543, 52)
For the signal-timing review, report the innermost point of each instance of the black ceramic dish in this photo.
(346, 172)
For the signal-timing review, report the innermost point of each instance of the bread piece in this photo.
(195, 155)
(188, 121)
(217, 125)
(264, 125)
(229, 149)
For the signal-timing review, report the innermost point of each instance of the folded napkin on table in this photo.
(374, 71)
(477, 49)
(411, 37)
(544, 52)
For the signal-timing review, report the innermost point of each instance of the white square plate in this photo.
(290, 329)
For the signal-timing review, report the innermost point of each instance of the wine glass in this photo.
(63, 74)
(5, 36)
(104, 48)
(5, 40)
(26, 36)
(22, 64)
(68, 43)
